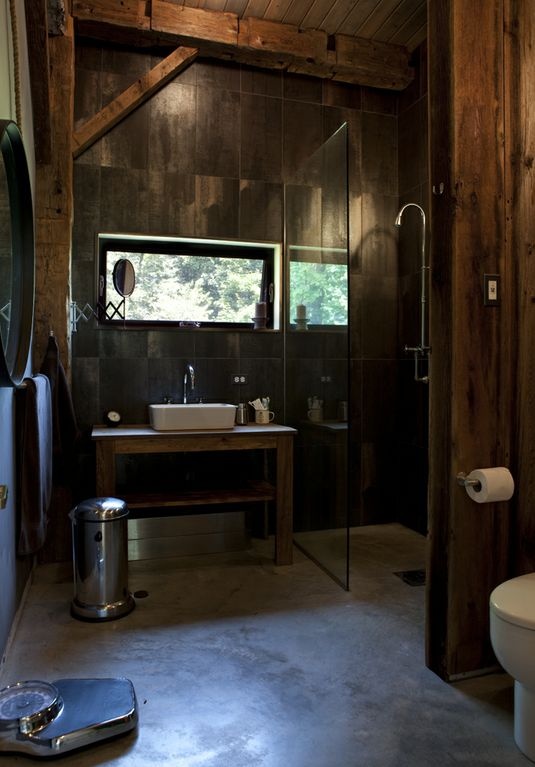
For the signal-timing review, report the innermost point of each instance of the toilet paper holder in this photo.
(464, 481)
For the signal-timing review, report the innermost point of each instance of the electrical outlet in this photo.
(326, 379)
(238, 378)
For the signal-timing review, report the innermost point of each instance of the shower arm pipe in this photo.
(423, 349)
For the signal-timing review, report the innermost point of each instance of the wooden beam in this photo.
(359, 60)
(119, 13)
(131, 98)
(57, 17)
(251, 41)
(36, 30)
(274, 39)
(193, 24)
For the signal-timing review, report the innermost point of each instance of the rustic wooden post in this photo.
(520, 193)
(470, 397)
(54, 205)
(53, 234)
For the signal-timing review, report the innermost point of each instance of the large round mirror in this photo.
(16, 256)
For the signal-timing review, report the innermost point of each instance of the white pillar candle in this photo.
(261, 309)
(301, 312)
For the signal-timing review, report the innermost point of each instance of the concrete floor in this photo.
(237, 663)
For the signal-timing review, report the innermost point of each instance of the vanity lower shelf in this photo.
(125, 440)
(252, 492)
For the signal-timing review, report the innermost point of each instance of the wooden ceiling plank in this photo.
(235, 6)
(36, 30)
(255, 8)
(315, 15)
(275, 10)
(417, 38)
(377, 15)
(416, 21)
(339, 11)
(132, 97)
(397, 19)
(214, 5)
(297, 10)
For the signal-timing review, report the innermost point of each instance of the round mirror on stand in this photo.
(16, 256)
(124, 277)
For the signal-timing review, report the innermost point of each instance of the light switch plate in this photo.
(491, 289)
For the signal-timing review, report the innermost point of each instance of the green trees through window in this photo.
(322, 288)
(190, 288)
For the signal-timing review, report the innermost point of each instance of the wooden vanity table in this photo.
(113, 441)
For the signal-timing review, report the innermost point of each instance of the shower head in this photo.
(397, 222)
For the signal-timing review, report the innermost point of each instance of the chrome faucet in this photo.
(189, 374)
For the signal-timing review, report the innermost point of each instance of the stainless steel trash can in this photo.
(100, 559)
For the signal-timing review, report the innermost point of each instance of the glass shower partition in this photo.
(317, 353)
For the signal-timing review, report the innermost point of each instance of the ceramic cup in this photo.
(316, 414)
(263, 416)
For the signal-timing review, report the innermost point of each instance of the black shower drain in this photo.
(412, 577)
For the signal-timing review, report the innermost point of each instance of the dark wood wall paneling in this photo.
(520, 192)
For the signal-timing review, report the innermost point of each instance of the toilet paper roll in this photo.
(497, 484)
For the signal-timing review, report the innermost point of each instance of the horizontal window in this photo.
(188, 282)
(318, 286)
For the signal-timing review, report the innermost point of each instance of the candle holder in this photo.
(301, 323)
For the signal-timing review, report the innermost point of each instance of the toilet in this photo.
(512, 633)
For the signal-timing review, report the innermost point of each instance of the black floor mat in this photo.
(412, 577)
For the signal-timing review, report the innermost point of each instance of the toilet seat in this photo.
(513, 601)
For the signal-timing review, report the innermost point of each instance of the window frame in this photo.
(267, 251)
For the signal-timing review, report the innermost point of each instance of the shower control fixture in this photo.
(421, 351)
(46, 719)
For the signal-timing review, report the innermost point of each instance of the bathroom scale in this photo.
(51, 718)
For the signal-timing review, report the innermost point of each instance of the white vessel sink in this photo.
(192, 417)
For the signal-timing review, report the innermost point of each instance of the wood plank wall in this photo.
(520, 148)
(469, 552)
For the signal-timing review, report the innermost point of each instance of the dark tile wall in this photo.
(413, 398)
(209, 155)
(374, 297)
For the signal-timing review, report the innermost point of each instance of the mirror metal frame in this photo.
(14, 354)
